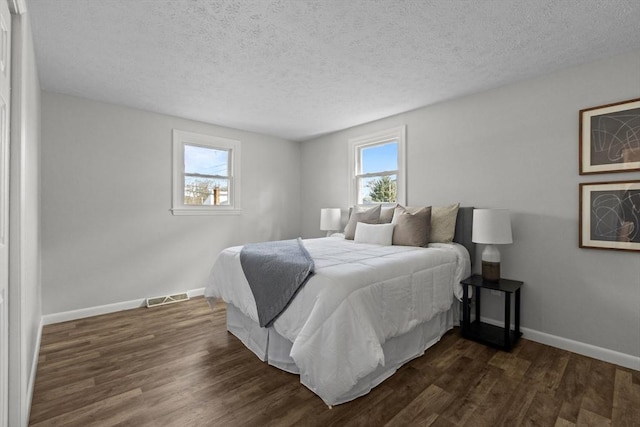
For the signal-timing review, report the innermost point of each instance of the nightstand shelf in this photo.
(502, 337)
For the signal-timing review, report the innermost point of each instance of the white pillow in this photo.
(377, 234)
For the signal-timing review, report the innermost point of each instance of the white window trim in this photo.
(393, 134)
(180, 138)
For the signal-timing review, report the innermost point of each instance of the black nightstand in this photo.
(503, 338)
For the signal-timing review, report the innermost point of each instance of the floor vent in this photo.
(169, 299)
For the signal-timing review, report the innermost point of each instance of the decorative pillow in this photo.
(443, 223)
(368, 216)
(386, 214)
(377, 234)
(412, 226)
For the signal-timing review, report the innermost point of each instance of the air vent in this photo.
(169, 299)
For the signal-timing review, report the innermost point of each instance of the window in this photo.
(377, 168)
(206, 176)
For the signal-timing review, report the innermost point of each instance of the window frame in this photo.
(378, 138)
(182, 138)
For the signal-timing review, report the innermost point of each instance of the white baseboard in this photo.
(34, 368)
(82, 313)
(617, 358)
(600, 353)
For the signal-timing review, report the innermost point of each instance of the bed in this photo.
(366, 311)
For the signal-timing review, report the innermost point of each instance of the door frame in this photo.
(19, 388)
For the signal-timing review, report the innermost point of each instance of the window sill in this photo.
(217, 211)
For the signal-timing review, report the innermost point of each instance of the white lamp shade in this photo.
(330, 219)
(491, 226)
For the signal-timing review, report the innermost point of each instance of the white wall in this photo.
(25, 253)
(108, 235)
(515, 147)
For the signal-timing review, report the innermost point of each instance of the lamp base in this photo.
(491, 271)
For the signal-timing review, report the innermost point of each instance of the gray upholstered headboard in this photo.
(464, 223)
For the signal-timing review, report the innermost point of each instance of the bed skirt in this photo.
(273, 348)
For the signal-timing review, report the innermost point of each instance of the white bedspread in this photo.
(360, 296)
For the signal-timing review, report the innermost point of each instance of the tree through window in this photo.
(377, 168)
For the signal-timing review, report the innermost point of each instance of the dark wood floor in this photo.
(177, 366)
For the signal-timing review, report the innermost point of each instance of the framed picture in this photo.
(610, 215)
(610, 138)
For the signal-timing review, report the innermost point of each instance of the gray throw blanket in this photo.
(275, 272)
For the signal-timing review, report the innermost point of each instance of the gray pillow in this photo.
(368, 216)
(386, 214)
(412, 226)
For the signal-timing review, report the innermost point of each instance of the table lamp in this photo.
(491, 227)
(330, 220)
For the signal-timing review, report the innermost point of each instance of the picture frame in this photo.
(610, 138)
(610, 215)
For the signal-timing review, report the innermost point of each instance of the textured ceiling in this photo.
(301, 68)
